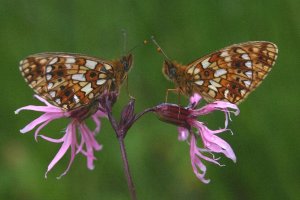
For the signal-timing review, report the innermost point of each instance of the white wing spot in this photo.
(247, 83)
(91, 95)
(213, 88)
(245, 56)
(107, 66)
(48, 69)
(48, 77)
(58, 101)
(70, 60)
(200, 82)
(196, 77)
(243, 92)
(50, 85)
(214, 85)
(196, 71)
(226, 93)
(43, 61)
(68, 66)
(78, 77)
(87, 89)
(76, 99)
(52, 93)
(224, 54)
(90, 64)
(248, 64)
(240, 51)
(190, 70)
(101, 81)
(54, 60)
(227, 59)
(249, 74)
(205, 63)
(26, 70)
(212, 82)
(220, 72)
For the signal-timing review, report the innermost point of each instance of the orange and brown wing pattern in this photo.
(232, 73)
(67, 80)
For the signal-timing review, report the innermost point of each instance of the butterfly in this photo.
(69, 80)
(229, 74)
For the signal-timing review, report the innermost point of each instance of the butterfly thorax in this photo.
(119, 76)
(121, 68)
(175, 72)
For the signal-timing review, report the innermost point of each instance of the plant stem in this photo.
(126, 169)
(120, 135)
(127, 119)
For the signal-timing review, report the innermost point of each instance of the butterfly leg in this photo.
(167, 93)
(127, 89)
(179, 103)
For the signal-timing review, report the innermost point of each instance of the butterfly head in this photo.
(126, 63)
(170, 70)
(122, 68)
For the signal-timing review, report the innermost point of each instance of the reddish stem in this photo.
(127, 170)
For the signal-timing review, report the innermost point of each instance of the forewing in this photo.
(232, 73)
(66, 80)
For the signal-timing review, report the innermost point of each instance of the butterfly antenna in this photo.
(138, 45)
(159, 49)
(124, 37)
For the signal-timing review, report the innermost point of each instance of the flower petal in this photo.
(48, 109)
(43, 118)
(49, 139)
(67, 140)
(198, 167)
(43, 100)
(195, 98)
(183, 133)
(73, 151)
(36, 133)
(217, 105)
(213, 142)
(96, 119)
(91, 144)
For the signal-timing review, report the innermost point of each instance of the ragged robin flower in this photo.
(77, 137)
(191, 130)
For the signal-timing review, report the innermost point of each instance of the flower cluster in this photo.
(84, 143)
(186, 120)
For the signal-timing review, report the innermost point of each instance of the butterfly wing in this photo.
(67, 80)
(232, 73)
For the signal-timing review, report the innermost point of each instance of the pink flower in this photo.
(186, 120)
(85, 143)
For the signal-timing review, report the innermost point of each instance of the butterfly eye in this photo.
(169, 70)
(172, 72)
(125, 65)
(126, 62)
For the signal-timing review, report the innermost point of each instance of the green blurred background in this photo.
(266, 139)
